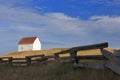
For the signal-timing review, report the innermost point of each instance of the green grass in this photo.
(54, 71)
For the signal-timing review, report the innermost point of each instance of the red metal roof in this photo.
(27, 40)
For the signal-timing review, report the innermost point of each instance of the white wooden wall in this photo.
(37, 45)
(27, 47)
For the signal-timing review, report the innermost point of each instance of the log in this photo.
(86, 47)
(92, 57)
(19, 58)
(19, 62)
(114, 67)
(49, 57)
(110, 56)
(32, 56)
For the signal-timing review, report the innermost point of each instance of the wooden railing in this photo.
(28, 60)
(73, 51)
(106, 60)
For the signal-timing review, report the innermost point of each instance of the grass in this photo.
(55, 71)
(52, 51)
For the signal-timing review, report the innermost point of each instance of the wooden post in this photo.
(0, 60)
(105, 61)
(73, 54)
(28, 59)
(44, 59)
(56, 57)
(10, 59)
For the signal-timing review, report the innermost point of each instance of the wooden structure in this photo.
(106, 60)
(73, 51)
(28, 60)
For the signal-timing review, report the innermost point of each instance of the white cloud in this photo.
(110, 24)
(56, 23)
(53, 27)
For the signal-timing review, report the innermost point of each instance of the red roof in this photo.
(27, 40)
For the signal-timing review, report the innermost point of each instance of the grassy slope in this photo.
(52, 51)
(57, 72)
(54, 71)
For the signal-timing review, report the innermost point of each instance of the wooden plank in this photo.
(41, 60)
(90, 65)
(92, 57)
(66, 58)
(19, 58)
(86, 47)
(5, 57)
(63, 52)
(110, 56)
(114, 67)
(32, 56)
(4, 61)
(93, 46)
(19, 62)
(49, 57)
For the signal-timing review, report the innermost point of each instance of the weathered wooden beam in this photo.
(114, 67)
(63, 52)
(19, 58)
(49, 57)
(86, 47)
(93, 46)
(5, 57)
(110, 56)
(32, 56)
(42, 59)
(89, 57)
(92, 57)
(19, 62)
(114, 63)
(66, 58)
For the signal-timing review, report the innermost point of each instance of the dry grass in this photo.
(54, 71)
(27, 53)
(52, 51)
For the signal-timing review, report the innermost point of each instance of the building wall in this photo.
(27, 47)
(37, 45)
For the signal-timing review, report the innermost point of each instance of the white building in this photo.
(29, 43)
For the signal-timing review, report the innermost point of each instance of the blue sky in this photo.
(59, 23)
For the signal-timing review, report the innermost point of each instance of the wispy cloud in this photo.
(106, 2)
(54, 27)
(55, 22)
